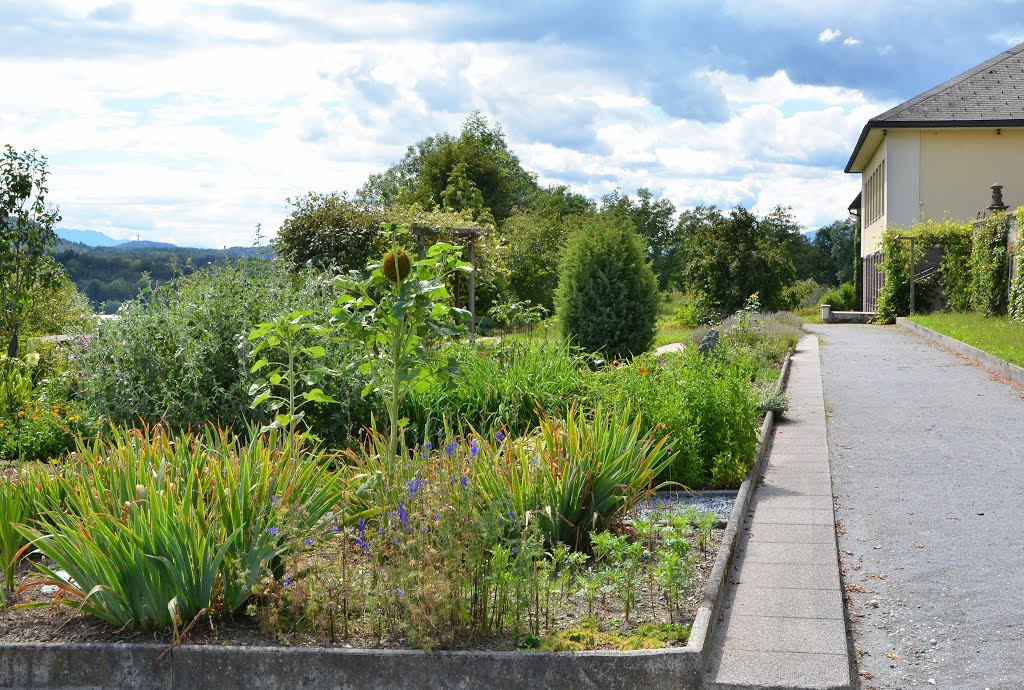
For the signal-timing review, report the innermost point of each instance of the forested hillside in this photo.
(110, 276)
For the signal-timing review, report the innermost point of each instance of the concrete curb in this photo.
(130, 666)
(1008, 371)
(702, 632)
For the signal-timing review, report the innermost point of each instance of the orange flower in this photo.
(641, 372)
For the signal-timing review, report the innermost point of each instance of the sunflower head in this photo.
(396, 265)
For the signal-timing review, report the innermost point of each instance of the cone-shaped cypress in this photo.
(607, 299)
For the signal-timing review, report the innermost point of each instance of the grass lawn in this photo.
(997, 336)
(667, 332)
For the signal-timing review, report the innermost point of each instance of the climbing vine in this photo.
(1016, 302)
(990, 266)
(953, 274)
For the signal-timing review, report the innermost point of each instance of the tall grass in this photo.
(149, 530)
(501, 387)
(575, 476)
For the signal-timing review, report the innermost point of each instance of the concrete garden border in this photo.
(91, 666)
(1008, 371)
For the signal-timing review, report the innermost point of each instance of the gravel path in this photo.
(928, 469)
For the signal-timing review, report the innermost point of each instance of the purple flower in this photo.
(403, 517)
(414, 486)
(437, 516)
(335, 528)
(474, 447)
(274, 500)
(361, 525)
(463, 480)
(399, 591)
(363, 545)
(450, 448)
(500, 436)
(287, 582)
(272, 531)
(514, 550)
(307, 541)
(511, 515)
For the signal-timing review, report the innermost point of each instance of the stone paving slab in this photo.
(778, 634)
(789, 552)
(787, 576)
(782, 623)
(750, 670)
(789, 603)
(792, 533)
(793, 516)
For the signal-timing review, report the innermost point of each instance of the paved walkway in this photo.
(782, 619)
(928, 466)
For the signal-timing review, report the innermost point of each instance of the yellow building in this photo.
(937, 154)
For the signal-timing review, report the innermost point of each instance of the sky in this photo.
(192, 121)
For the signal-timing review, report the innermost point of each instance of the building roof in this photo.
(989, 95)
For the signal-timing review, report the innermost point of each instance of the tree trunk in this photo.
(12, 344)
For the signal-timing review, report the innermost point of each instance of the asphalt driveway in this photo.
(927, 456)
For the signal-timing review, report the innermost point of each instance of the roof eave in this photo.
(851, 165)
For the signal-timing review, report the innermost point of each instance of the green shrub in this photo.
(607, 297)
(45, 432)
(842, 298)
(60, 309)
(177, 356)
(706, 405)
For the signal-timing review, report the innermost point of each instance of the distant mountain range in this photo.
(94, 238)
(91, 238)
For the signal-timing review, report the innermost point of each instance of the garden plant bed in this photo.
(52, 626)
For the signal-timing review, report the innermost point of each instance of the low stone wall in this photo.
(829, 316)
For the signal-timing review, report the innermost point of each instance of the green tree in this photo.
(607, 298)
(533, 239)
(26, 238)
(653, 219)
(727, 258)
(60, 309)
(833, 246)
(425, 172)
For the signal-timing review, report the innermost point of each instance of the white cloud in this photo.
(199, 144)
(851, 41)
(828, 35)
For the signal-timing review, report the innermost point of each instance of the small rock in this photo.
(48, 590)
(931, 681)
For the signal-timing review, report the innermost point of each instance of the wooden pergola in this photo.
(466, 233)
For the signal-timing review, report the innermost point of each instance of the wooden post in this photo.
(912, 273)
(472, 285)
(419, 245)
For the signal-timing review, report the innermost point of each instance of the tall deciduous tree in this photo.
(26, 238)
(425, 172)
(728, 258)
(653, 220)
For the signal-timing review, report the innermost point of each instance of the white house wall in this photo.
(903, 177)
(959, 165)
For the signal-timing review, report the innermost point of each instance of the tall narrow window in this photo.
(874, 189)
